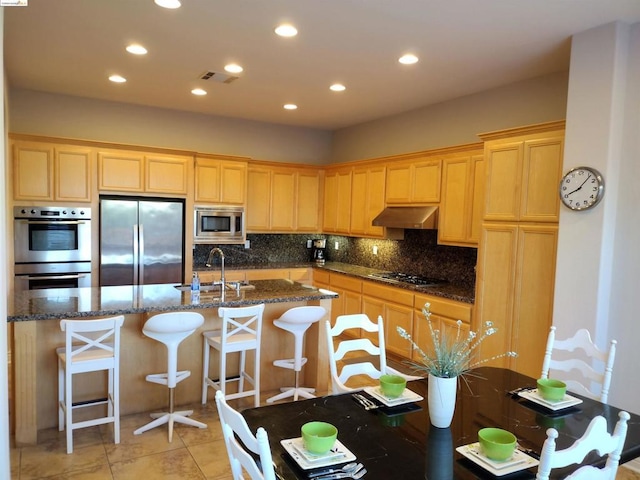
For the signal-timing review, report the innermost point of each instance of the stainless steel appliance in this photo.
(417, 280)
(52, 247)
(141, 241)
(218, 225)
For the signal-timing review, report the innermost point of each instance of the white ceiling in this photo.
(465, 46)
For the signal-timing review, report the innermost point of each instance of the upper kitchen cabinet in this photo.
(413, 181)
(220, 180)
(51, 172)
(142, 172)
(337, 200)
(367, 200)
(524, 167)
(283, 199)
(463, 180)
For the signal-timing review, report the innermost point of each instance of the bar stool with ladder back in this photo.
(90, 346)
(296, 320)
(171, 329)
(241, 332)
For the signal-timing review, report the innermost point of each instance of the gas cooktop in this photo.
(417, 280)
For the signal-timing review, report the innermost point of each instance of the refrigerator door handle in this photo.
(141, 253)
(136, 254)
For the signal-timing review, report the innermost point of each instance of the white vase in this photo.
(441, 399)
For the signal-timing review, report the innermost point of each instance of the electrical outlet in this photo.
(375, 249)
(247, 244)
(337, 245)
(309, 243)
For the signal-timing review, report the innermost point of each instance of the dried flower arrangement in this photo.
(453, 355)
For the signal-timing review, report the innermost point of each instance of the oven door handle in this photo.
(53, 277)
(53, 222)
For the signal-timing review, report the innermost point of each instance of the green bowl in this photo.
(551, 390)
(318, 437)
(392, 386)
(497, 444)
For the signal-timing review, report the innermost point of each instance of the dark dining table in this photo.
(399, 442)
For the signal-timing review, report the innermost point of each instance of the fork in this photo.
(365, 402)
(335, 476)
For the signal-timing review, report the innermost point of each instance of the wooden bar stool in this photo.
(241, 332)
(171, 329)
(90, 346)
(296, 320)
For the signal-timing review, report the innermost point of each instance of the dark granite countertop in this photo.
(460, 293)
(57, 303)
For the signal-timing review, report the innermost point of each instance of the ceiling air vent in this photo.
(218, 77)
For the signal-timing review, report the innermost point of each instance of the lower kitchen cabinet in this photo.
(229, 276)
(349, 290)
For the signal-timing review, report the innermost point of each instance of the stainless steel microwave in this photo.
(218, 224)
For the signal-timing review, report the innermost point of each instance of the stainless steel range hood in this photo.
(421, 218)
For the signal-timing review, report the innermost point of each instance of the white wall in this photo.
(66, 116)
(598, 268)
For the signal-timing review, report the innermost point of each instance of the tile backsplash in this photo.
(417, 254)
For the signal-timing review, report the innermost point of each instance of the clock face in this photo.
(581, 188)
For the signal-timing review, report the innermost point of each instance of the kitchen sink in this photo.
(213, 288)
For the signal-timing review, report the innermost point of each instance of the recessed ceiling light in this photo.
(136, 49)
(337, 87)
(286, 30)
(168, 3)
(117, 79)
(290, 106)
(198, 91)
(233, 68)
(408, 59)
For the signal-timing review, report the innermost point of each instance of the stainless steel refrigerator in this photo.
(141, 241)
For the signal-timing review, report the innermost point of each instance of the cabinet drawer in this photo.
(389, 294)
(320, 276)
(348, 283)
(445, 308)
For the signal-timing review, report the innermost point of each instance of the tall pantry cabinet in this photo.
(517, 248)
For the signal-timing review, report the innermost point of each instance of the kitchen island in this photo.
(36, 334)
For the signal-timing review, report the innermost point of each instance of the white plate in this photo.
(519, 460)
(306, 460)
(407, 397)
(534, 396)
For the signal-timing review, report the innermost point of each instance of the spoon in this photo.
(348, 468)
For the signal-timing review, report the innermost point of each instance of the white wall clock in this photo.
(581, 188)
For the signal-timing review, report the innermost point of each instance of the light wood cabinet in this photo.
(283, 199)
(349, 290)
(523, 175)
(515, 286)
(460, 218)
(220, 181)
(337, 201)
(367, 200)
(415, 181)
(52, 172)
(208, 277)
(396, 307)
(133, 171)
(445, 315)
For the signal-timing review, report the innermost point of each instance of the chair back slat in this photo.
(81, 345)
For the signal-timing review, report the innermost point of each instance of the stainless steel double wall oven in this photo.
(52, 247)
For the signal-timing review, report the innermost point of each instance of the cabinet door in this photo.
(233, 182)
(495, 286)
(267, 274)
(478, 182)
(359, 202)
(504, 174)
(375, 199)
(533, 308)
(32, 171)
(343, 201)
(207, 180)
(542, 170)
(398, 183)
(258, 199)
(397, 316)
(121, 171)
(330, 217)
(283, 200)
(453, 224)
(308, 214)
(166, 174)
(372, 307)
(425, 178)
(73, 174)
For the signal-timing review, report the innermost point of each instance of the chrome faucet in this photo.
(208, 264)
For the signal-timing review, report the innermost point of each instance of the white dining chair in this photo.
(595, 438)
(90, 346)
(577, 355)
(357, 365)
(235, 427)
(240, 332)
